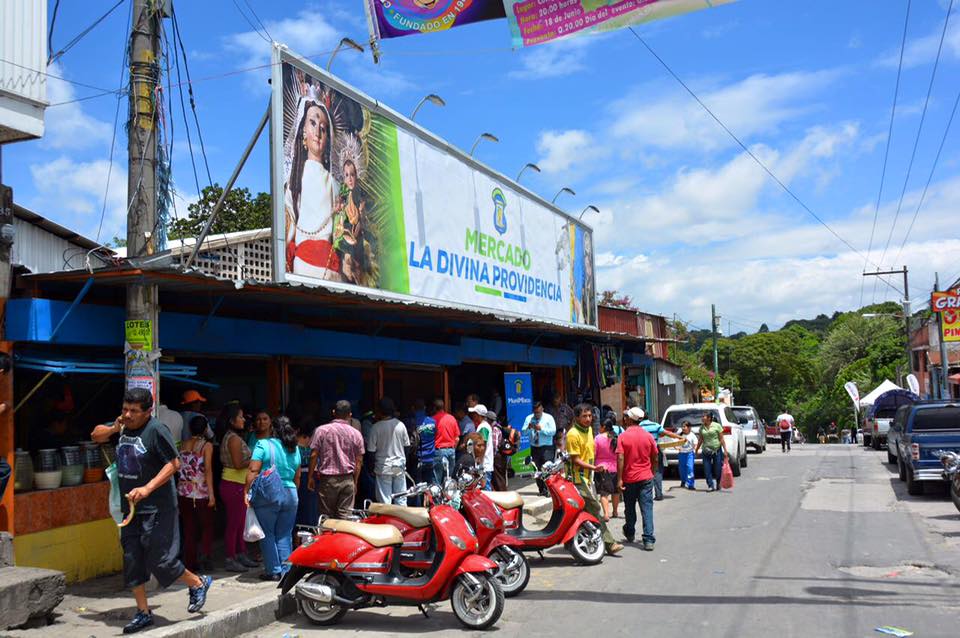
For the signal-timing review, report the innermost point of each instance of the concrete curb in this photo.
(538, 507)
(248, 616)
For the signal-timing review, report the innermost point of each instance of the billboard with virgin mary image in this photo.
(367, 201)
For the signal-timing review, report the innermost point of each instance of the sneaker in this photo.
(246, 561)
(629, 539)
(647, 547)
(710, 489)
(198, 595)
(141, 621)
(658, 498)
(273, 577)
(614, 549)
(234, 565)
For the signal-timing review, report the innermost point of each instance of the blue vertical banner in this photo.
(519, 400)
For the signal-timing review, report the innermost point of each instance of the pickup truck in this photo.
(917, 432)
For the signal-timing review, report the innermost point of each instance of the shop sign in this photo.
(139, 334)
(945, 300)
(951, 325)
(367, 201)
(518, 397)
(395, 18)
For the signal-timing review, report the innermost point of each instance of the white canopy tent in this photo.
(886, 386)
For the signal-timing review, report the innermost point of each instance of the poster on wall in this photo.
(518, 397)
(395, 18)
(538, 21)
(370, 202)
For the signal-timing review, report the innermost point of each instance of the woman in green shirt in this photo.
(712, 442)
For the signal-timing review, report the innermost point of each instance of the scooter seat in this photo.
(505, 500)
(376, 535)
(416, 516)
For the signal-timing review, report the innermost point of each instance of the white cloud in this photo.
(758, 104)
(923, 50)
(67, 126)
(72, 193)
(559, 151)
(553, 60)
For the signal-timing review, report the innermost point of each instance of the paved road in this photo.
(820, 542)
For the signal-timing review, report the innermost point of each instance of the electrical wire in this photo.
(259, 21)
(193, 103)
(250, 22)
(69, 45)
(53, 21)
(916, 142)
(933, 169)
(58, 77)
(886, 151)
(753, 156)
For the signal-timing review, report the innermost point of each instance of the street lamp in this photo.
(561, 192)
(591, 207)
(490, 137)
(433, 99)
(532, 167)
(344, 42)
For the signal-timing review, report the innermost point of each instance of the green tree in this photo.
(240, 211)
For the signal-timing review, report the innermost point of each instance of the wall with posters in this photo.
(373, 203)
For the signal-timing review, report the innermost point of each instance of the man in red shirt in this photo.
(637, 454)
(448, 433)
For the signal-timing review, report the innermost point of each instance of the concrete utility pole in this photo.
(906, 308)
(141, 329)
(944, 361)
(716, 363)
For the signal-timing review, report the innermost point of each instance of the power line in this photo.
(933, 168)
(916, 142)
(756, 159)
(250, 22)
(69, 45)
(53, 21)
(58, 77)
(886, 152)
(259, 21)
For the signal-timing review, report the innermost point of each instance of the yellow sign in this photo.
(139, 334)
(951, 325)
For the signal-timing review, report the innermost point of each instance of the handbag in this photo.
(252, 532)
(726, 476)
(267, 488)
(115, 500)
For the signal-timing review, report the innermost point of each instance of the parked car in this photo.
(754, 433)
(880, 415)
(692, 413)
(917, 431)
(773, 432)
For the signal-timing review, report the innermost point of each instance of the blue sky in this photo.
(687, 218)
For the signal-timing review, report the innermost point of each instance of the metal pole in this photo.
(906, 322)
(142, 299)
(716, 363)
(226, 191)
(944, 361)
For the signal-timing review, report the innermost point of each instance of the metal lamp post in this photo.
(432, 98)
(490, 137)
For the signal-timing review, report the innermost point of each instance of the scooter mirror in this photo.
(470, 447)
(528, 460)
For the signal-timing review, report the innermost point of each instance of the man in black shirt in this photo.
(146, 462)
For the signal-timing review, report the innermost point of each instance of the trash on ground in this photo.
(894, 631)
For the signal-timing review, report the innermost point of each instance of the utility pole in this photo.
(141, 327)
(716, 363)
(944, 361)
(906, 308)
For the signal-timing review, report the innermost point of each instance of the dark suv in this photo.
(917, 432)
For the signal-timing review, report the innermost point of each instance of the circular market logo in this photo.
(499, 211)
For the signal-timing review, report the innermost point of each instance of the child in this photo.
(686, 456)
(606, 457)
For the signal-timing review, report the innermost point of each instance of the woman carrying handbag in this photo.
(271, 489)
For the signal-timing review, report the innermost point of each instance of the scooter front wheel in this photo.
(514, 571)
(477, 600)
(319, 612)
(587, 545)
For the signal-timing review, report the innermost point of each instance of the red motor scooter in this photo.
(482, 514)
(349, 565)
(578, 531)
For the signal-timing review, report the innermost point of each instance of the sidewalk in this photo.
(101, 607)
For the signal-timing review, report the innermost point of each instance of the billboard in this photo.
(367, 201)
(395, 18)
(518, 395)
(538, 21)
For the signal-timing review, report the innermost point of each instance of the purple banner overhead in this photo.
(538, 21)
(394, 18)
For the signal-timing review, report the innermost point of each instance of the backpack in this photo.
(508, 443)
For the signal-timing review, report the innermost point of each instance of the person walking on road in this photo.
(637, 458)
(580, 468)
(785, 425)
(388, 441)
(147, 459)
(542, 429)
(606, 481)
(658, 432)
(685, 459)
(714, 447)
(336, 458)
